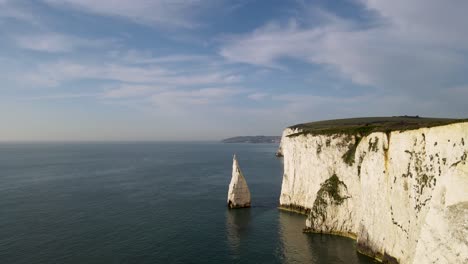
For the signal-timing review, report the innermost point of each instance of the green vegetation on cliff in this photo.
(365, 125)
(329, 191)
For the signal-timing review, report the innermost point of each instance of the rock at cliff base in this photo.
(238, 194)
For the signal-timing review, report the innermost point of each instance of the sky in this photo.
(86, 70)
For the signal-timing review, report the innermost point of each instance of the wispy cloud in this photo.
(411, 48)
(266, 45)
(146, 57)
(128, 91)
(156, 12)
(56, 42)
(60, 96)
(11, 9)
(257, 96)
(186, 100)
(58, 72)
(174, 64)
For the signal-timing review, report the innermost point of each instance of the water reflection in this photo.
(298, 247)
(237, 226)
(295, 244)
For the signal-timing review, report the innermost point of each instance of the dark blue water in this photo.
(149, 203)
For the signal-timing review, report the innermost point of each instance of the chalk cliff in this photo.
(402, 194)
(238, 194)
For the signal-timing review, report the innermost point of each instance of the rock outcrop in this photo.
(238, 194)
(403, 195)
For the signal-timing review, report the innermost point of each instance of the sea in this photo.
(150, 202)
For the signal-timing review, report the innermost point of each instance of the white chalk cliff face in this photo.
(238, 194)
(402, 195)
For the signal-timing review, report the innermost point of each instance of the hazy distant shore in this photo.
(253, 139)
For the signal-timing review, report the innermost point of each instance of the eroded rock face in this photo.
(330, 200)
(238, 194)
(445, 230)
(380, 188)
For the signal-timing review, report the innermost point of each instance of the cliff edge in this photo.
(398, 185)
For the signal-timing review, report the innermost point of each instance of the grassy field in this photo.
(366, 125)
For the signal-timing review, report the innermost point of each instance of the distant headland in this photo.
(253, 139)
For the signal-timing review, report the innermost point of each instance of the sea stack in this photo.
(238, 194)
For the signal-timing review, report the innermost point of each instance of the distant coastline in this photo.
(253, 139)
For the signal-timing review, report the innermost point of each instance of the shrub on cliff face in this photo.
(330, 194)
(348, 157)
(373, 145)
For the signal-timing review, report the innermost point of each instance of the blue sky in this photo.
(208, 69)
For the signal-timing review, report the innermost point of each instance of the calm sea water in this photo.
(150, 203)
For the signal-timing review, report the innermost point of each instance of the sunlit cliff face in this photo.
(386, 193)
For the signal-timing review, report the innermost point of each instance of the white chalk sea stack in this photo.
(402, 194)
(238, 194)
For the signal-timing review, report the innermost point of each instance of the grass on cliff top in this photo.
(367, 125)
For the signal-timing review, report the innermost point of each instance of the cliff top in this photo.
(366, 125)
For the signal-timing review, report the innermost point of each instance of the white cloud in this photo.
(429, 22)
(60, 96)
(55, 42)
(146, 57)
(181, 100)
(151, 12)
(413, 46)
(58, 72)
(126, 91)
(257, 96)
(9, 9)
(267, 44)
